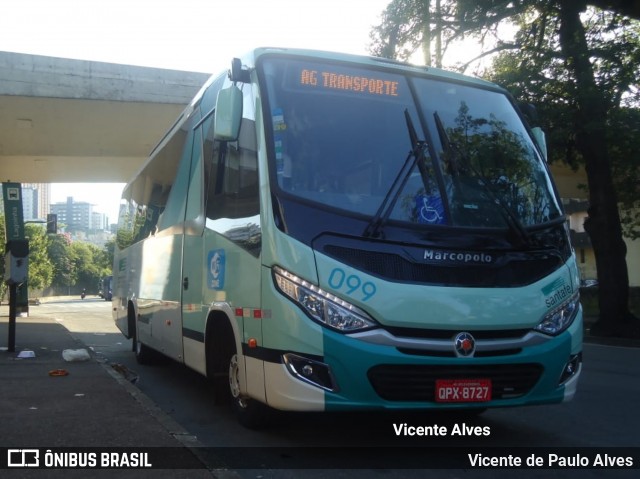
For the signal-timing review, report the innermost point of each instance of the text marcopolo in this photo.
(457, 257)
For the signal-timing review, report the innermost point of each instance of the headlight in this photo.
(321, 306)
(560, 318)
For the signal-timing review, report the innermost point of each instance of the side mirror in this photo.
(539, 137)
(237, 73)
(228, 114)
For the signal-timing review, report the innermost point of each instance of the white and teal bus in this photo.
(327, 232)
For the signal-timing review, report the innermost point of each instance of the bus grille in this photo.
(394, 267)
(395, 382)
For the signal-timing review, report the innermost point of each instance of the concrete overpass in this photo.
(67, 120)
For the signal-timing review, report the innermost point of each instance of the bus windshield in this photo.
(340, 139)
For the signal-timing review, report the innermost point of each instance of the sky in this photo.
(197, 35)
(191, 35)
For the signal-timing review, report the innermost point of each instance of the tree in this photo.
(580, 68)
(535, 73)
(40, 266)
(109, 251)
(409, 25)
(65, 274)
(625, 145)
(90, 263)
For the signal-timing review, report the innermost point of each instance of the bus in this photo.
(327, 232)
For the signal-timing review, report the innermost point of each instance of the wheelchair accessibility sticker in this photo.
(430, 209)
(215, 271)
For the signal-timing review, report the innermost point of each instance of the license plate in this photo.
(463, 390)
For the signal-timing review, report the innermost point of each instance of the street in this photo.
(602, 415)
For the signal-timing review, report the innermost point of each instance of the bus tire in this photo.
(144, 354)
(220, 347)
(250, 413)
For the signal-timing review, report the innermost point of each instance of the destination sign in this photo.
(358, 83)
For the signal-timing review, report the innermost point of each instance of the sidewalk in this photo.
(91, 406)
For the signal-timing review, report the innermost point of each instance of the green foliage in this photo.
(537, 74)
(90, 263)
(74, 263)
(40, 266)
(624, 145)
(55, 261)
(65, 273)
(408, 25)
(399, 34)
(109, 251)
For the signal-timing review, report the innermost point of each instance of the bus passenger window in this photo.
(232, 172)
(232, 195)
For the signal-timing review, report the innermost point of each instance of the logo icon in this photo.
(465, 345)
(13, 194)
(23, 457)
(216, 269)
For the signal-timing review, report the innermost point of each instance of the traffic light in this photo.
(52, 224)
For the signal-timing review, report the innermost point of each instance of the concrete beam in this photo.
(70, 169)
(67, 120)
(41, 76)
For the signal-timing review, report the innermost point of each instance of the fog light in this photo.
(571, 368)
(310, 371)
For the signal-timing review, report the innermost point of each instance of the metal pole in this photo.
(13, 293)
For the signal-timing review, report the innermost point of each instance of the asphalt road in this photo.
(602, 415)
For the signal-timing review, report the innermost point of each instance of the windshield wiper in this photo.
(510, 218)
(416, 154)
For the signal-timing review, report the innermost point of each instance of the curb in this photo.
(183, 436)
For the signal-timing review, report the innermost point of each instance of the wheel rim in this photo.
(234, 377)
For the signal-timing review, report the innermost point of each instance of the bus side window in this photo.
(178, 153)
(233, 176)
(126, 233)
(232, 196)
(213, 170)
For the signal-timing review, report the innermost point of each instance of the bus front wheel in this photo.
(251, 414)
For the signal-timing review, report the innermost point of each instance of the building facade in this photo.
(74, 215)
